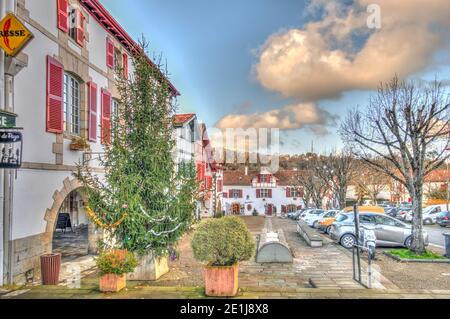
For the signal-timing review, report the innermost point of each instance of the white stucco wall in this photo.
(30, 100)
(43, 12)
(33, 192)
(278, 199)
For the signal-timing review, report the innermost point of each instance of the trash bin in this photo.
(447, 244)
(50, 267)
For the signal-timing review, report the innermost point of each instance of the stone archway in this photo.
(51, 214)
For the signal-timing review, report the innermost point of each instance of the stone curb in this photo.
(403, 260)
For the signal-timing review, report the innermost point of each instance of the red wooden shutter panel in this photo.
(241, 193)
(109, 53)
(270, 193)
(92, 111)
(258, 193)
(63, 15)
(125, 65)
(199, 172)
(106, 117)
(55, 96)
(230, 193)
(288, 192)
(80, 27)
(225, 195)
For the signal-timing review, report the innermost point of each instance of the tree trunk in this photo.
(417, 245)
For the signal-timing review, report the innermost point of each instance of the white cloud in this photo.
(322, 60)
(290, 117)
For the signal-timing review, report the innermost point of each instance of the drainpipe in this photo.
(6, 177)
(2, 99)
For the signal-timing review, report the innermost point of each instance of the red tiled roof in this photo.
(438, 176)
(180, 119)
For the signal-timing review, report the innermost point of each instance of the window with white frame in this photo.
(115, 111)
(294, 192)
(71, 105)
(265, 193)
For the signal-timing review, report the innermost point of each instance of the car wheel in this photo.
(316, 224)
(328, 230)
(443, 226)
(427, 221)
(348, 241)
(408, 242)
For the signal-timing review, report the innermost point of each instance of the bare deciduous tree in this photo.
(403, 125)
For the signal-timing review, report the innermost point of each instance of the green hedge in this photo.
(223, 242)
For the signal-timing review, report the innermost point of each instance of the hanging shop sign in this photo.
(13, 35)
(10, 149)
(7, 119)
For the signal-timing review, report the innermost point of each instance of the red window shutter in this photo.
(92, 87)
(55, 96)
(109, 53)
(63, 15)
(259, 178)
(230, 193)
(125, 65)
(300, 192)
(241, 193)
(225, 195)
(203, 171)
(270, 193)
(283, 209)
(199, 172)
(288, 192)
(106, 117)
(208, 182)
(219, 186)
(258, 193)
(80, 27)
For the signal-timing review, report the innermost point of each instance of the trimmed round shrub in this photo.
(223, 242)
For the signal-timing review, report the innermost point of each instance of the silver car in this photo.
(389, 231)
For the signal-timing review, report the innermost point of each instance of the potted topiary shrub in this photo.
(222, 244)
(113, 266)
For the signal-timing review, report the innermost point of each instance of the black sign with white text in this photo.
(10, 149)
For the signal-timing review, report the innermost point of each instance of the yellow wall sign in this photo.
(13, 34)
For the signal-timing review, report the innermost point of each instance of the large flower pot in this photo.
(112, 282)
(150, 268)
(50, 267)
(221, 281)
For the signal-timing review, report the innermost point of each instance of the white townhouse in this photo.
(261, 192)
(64, 93)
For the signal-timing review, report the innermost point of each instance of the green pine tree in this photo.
(141, 178)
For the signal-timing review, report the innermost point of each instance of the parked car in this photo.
(324, 224)
(389, 231)
(391, 211)
(297, 214)
(401, 215)
(430, 213)
(313, 217)
(443, 219)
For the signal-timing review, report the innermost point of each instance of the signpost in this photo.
(13, 35)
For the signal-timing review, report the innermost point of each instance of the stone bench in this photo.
(273, 248)
(309, 235)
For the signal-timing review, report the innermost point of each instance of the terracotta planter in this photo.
(112, 283)
(221, 281)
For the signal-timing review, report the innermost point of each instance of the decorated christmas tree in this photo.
(143, 199)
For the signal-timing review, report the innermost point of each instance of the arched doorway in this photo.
(71, 233)
(236, 209)
(270, 210)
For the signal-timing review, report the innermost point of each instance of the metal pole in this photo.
(358, 255)
(448, 190)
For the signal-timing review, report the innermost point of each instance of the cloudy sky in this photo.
(291, 64)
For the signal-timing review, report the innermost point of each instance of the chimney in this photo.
(246, 170)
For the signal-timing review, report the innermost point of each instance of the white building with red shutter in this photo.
(260, 192)
(65, 91)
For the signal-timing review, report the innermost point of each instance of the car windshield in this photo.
(316, 212)
(443, 214)
(341, 217)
